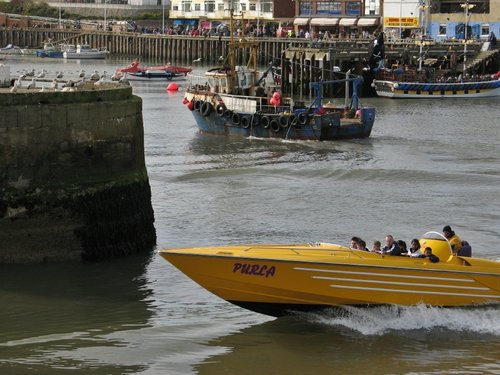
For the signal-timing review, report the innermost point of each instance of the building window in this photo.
(175, 7)
(252, 7)
(453, 6)
(485, 29)
(442, 29)
(210, 6)
(329, 7)
(220, 7)
(186, 6)
(353, 8)
(305, 8)
(243, 7)
(372, 7)
(197, 7)
(266, 6)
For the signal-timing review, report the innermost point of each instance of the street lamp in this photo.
(163, 17)
(466, 7)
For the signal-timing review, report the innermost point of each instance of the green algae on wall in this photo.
(73, 181)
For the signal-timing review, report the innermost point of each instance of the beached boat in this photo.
(85, 51)
(239, 100)
(143, 73)
(11, 49)
(279, 279)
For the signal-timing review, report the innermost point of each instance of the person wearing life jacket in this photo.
(453, 239)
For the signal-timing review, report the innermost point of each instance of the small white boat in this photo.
(85, 51)
(11, 49)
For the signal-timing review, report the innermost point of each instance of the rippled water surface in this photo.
(428, 163)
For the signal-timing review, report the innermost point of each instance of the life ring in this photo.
(284, 121)
(236, 119)
(220, 109)
(275, 126)
(302, 118)
(228, 113)
(265, 122)
(245, 122)
(206, 109)
(197, 105)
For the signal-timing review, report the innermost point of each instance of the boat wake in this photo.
(383, 319)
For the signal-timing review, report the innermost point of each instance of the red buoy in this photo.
(185, 101)
(172, 86)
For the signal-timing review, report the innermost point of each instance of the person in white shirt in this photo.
(415, 249)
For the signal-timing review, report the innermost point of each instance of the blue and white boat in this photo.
(241, 101)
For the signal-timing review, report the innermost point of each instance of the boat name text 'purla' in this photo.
(254, 269)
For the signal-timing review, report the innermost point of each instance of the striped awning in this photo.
(347, 21)
(300, 21)
(324, 21)
(367, 21)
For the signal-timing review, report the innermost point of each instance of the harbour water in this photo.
(428, 163)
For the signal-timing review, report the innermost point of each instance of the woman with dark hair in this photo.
(415, 249)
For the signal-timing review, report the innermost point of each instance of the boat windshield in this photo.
(434, 236)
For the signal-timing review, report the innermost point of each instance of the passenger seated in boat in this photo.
(402, 246)
(428, 254)
(376, 247)
(453, 239)
(391, 247)
(355, 242)
(362, 245)
(415, 249)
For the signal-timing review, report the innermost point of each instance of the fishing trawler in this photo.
(238, 100)
(278, 279)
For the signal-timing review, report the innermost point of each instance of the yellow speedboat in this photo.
(276, 279)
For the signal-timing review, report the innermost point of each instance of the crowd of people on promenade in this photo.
(399, 247)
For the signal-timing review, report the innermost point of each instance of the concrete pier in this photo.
(73, 182)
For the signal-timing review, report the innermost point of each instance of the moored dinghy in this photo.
(274, 279)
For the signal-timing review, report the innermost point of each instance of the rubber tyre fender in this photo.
(302, 118)
(284, 121)
(275, 126)
(206, 109)
(197, 105)
(236, 118)
(255, 120)
(245, 122)
(220, 109)
(228, 113)
(265, 121)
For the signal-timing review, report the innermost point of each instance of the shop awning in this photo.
(324, 21)
(367, 21)
(347, 21)
(184, 22)
(300, 21)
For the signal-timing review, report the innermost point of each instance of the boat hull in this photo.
(414, 90)
(152, 76)
(86, 55)
(324, 127)
(274, 279)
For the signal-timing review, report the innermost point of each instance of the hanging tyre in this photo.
(302, 118)
(284, 121)
(228, 113)
(275, 126)
(220, 109)
(255, 120)
(245, 122)
(197, 105)
(265, 121)
(236, 118)
(206, 109)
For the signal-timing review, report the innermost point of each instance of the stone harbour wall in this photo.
(73, 180)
